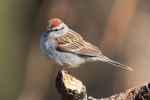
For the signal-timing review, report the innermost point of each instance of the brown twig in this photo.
(71, 88)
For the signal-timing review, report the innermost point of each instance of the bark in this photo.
(71, 88)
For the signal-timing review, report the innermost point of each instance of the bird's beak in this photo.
(49, 28)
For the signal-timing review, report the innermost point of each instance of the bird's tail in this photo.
(115, 63)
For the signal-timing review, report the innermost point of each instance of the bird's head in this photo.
(56, 27)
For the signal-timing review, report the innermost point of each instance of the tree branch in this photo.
(70, 88)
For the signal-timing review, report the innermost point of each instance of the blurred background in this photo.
(119, 27)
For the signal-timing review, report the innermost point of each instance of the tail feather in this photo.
(115, 63)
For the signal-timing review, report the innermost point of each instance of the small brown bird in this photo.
(67, 47)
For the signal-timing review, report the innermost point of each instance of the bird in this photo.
(67, 47)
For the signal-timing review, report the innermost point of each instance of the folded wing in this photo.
(74, 43)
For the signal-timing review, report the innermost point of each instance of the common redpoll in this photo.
(67, 47)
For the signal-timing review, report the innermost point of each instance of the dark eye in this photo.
(55, 29)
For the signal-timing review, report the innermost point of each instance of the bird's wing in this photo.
(74, 43)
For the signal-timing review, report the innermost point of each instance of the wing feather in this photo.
(74, 43)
